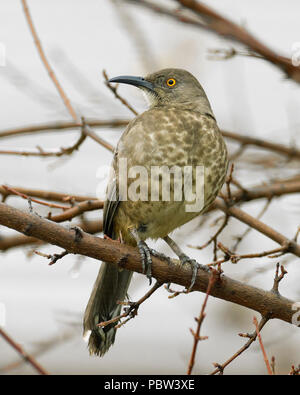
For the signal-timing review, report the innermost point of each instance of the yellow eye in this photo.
(171, 82)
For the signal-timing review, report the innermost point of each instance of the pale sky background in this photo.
(248, 96)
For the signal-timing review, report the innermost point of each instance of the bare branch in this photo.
(199, 320)
(48, 195)
(19, 240)
(262, 346)
(132, 310)
(27, 357)
(252, 338)
(291, 152)
(128, 257)
(261, 227)
(87, 131)
(216, 23)
(114, 90)
(12, 191)
(49, 127)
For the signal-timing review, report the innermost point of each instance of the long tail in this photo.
(110, 287)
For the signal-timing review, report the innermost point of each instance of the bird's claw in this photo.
(160, 255)
(194, 266)
(145, 253)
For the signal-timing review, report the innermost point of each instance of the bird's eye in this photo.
(171, 82)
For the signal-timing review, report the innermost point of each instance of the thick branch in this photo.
(279, 188)
(20, 240)
(265, 302)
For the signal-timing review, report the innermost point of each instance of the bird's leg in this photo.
(183, 259)
(145, 253)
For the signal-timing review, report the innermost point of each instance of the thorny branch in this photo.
(132, 310)
(113, 252)
(278, 188)
(252, 337)
(213, 278)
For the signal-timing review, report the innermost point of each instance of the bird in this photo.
(178, 131)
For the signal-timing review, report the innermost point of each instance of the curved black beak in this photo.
(131, 80)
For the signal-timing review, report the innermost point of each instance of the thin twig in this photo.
(215, 236)
(217, 23)
(273, 365)
(49, 195)
(252, 337)
(24, 196)
(247, 231)
(261, 227)
(278, 277)
(214, 22)
(235, 258)
(114, 90)
(53, 257)
(88, 131)
(262, 346)
(199, 321)
(60, 125)
(80, 208)
(26, 356)
(46, 63)
(132, 309)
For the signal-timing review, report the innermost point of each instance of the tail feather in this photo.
(110, 287)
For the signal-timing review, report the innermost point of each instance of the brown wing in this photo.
(110, 207)
(112, 199)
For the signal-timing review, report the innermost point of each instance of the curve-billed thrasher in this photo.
(178, 131)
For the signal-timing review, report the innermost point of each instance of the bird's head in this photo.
(170, 87)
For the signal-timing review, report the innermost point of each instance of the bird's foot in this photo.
(160, 255)
(194, 266)
(145, 253)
